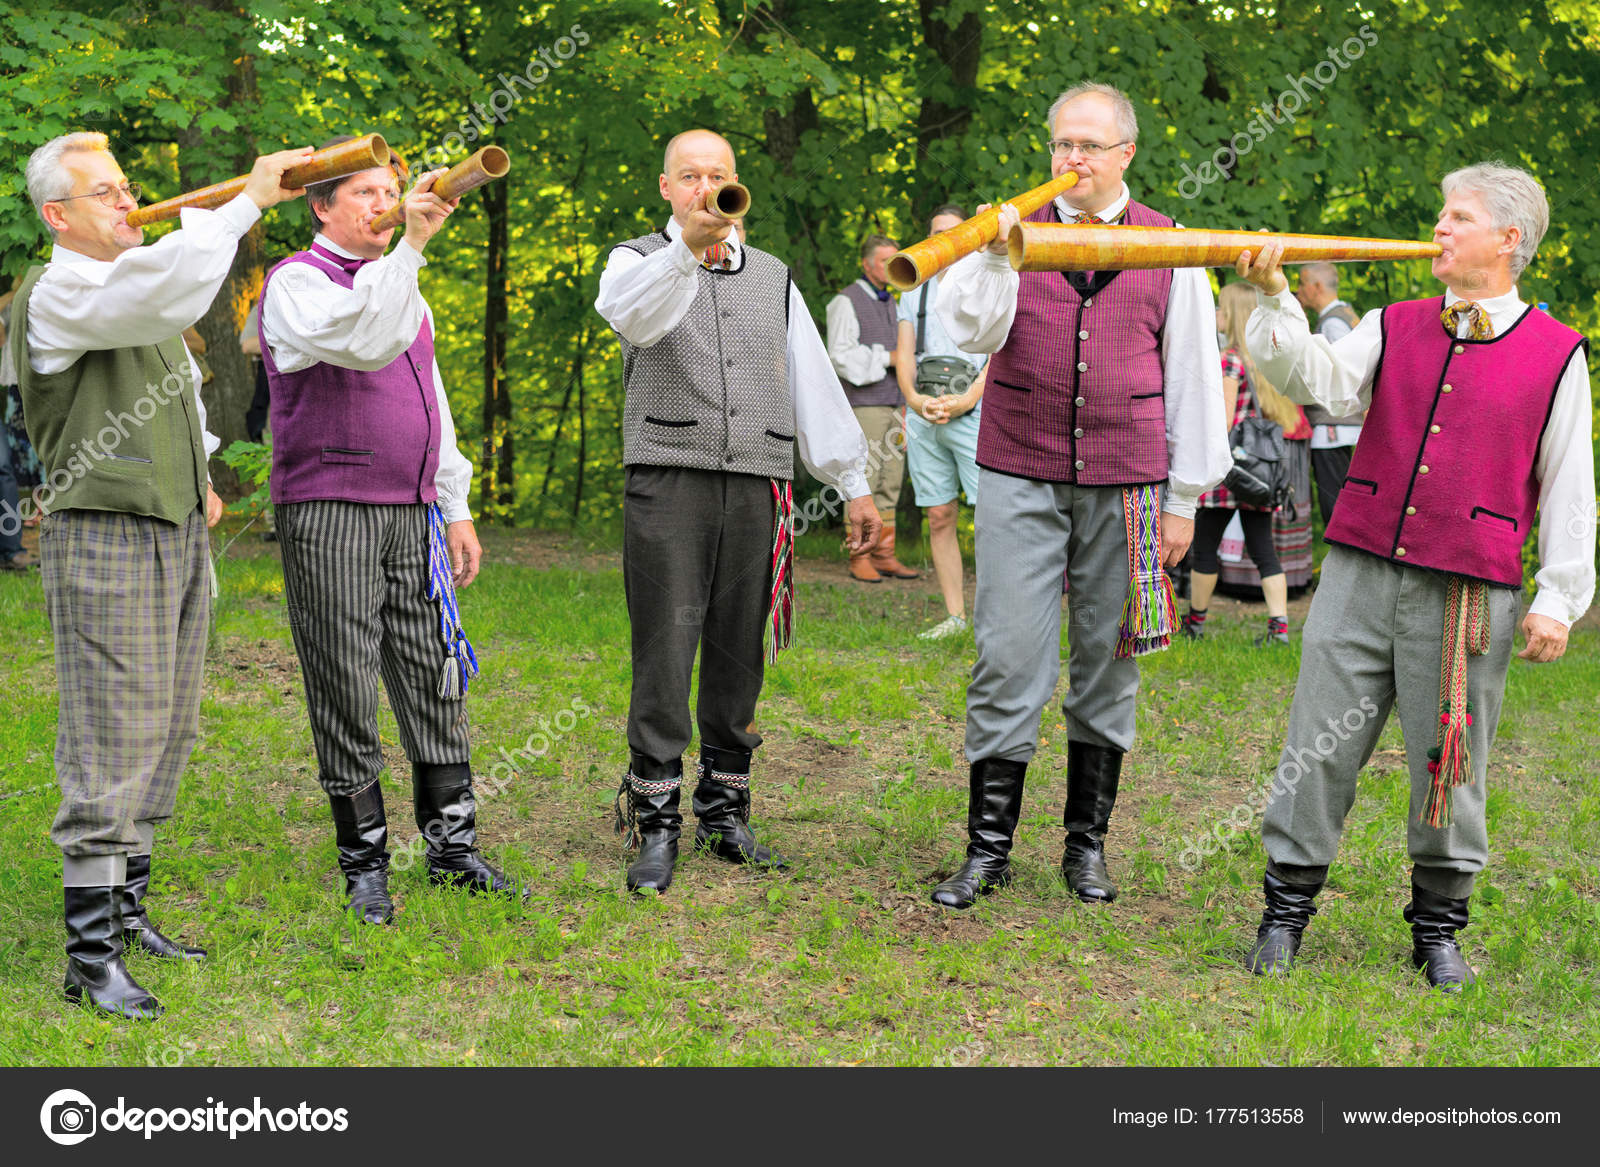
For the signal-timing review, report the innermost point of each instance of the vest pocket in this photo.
(126, 466)
(1012, 385)
(775, 435)
(670, 423)
(336, 456)
(1497, 519)
(1360, 486)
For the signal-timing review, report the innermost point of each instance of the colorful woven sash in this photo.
(461, 663)
(780, 601)
(1466, 632)
(1150, 614)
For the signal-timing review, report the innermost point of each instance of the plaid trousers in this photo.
(129, 601)
(354, 576)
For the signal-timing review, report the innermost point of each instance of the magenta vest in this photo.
(1075, 393)
(1443, 477)
(345, 434)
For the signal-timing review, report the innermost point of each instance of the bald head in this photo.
(696, 142)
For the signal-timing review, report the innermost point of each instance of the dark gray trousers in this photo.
(1329, 467)
(696, 565)
(354, 576)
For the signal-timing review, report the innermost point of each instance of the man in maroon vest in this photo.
(1478, 417)
(371, 499)
(1102, 416)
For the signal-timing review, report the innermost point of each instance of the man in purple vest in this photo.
(863, 334)
(1102, 416)
(1478, 417)
(371, 500)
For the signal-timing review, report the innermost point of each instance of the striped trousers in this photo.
(129, 600)
(354, 577)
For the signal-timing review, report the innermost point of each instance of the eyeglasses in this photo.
(1062, 147)
(108, 196)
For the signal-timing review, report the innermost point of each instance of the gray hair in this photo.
(872, 242)
(48, 180)
(1513, 198)
(1325, 274)
(1121, 107)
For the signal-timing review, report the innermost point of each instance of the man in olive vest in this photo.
(725, 377)
(1478, 417)
(111, 399)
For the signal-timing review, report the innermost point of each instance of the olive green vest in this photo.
(115, 431)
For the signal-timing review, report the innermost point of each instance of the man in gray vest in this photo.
(862, 341)
(725, 377)
(1333, 439)
(111, 399)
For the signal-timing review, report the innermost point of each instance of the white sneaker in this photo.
(950, 626)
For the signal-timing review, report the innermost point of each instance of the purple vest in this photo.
(1075, 393)
(345, 434)
(1443, 477)
(879, 325)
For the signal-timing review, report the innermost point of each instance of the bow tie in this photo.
(718, 255)
(348, 264)
(881, 293)
(1477, 319)
(1086, 217)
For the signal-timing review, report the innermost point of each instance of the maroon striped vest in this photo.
(1443, 477)
(879, 325)
(1075, 393)
(341, 433)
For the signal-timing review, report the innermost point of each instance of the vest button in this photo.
(1077, 433)
(1078, 464)
(1400, 551)
(730, 362)
(734, 412)
(1447, 388)
(1433, 429)
(1080, 402)
(1088, 303)
(1422, 469)
(728, 458)
(1460, 349)
(1082, 368)
(726, 313)
(1411, 510)
(1083, 335)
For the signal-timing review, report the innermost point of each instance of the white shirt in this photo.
(1339, 377)
(143, 296)
(644, 297)
(979, 301)
(312, 320)
(857, 363)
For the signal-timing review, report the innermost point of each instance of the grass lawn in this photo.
(862, 784)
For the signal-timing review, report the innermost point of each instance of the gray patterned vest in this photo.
(880, 324)
(714, 394)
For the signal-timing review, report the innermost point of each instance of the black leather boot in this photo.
(1435, 920)
(138, 933)
(722, 808)
(1092, 774)
(362, 833)
(94, 956)
(994, 801)
(1289, 909)
(652, 825)
(447, 815)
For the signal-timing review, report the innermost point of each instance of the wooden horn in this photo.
(1109, 247)
(729, 201)
(922, 261)
(483, 167)
(335, 162)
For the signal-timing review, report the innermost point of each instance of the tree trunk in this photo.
(498, 484)
(959, 49)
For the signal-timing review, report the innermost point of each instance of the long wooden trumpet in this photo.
(922, 261)
(482, 168)
(335, 162)
(1108, 247)
(729, 201)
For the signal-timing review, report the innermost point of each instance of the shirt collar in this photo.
(866, 286)
(1067, 212)
(1503, 310)
(324, 241)
(672, 231)
(95, 269)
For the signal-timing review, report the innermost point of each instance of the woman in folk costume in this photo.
(1478, 417)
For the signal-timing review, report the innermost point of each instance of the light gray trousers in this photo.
(1028, 534)
(1372, 642)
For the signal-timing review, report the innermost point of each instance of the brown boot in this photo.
(861, 567)
(883, 557)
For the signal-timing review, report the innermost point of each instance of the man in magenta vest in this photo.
(1102, 416)
(1478, 417)
(371, 500)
